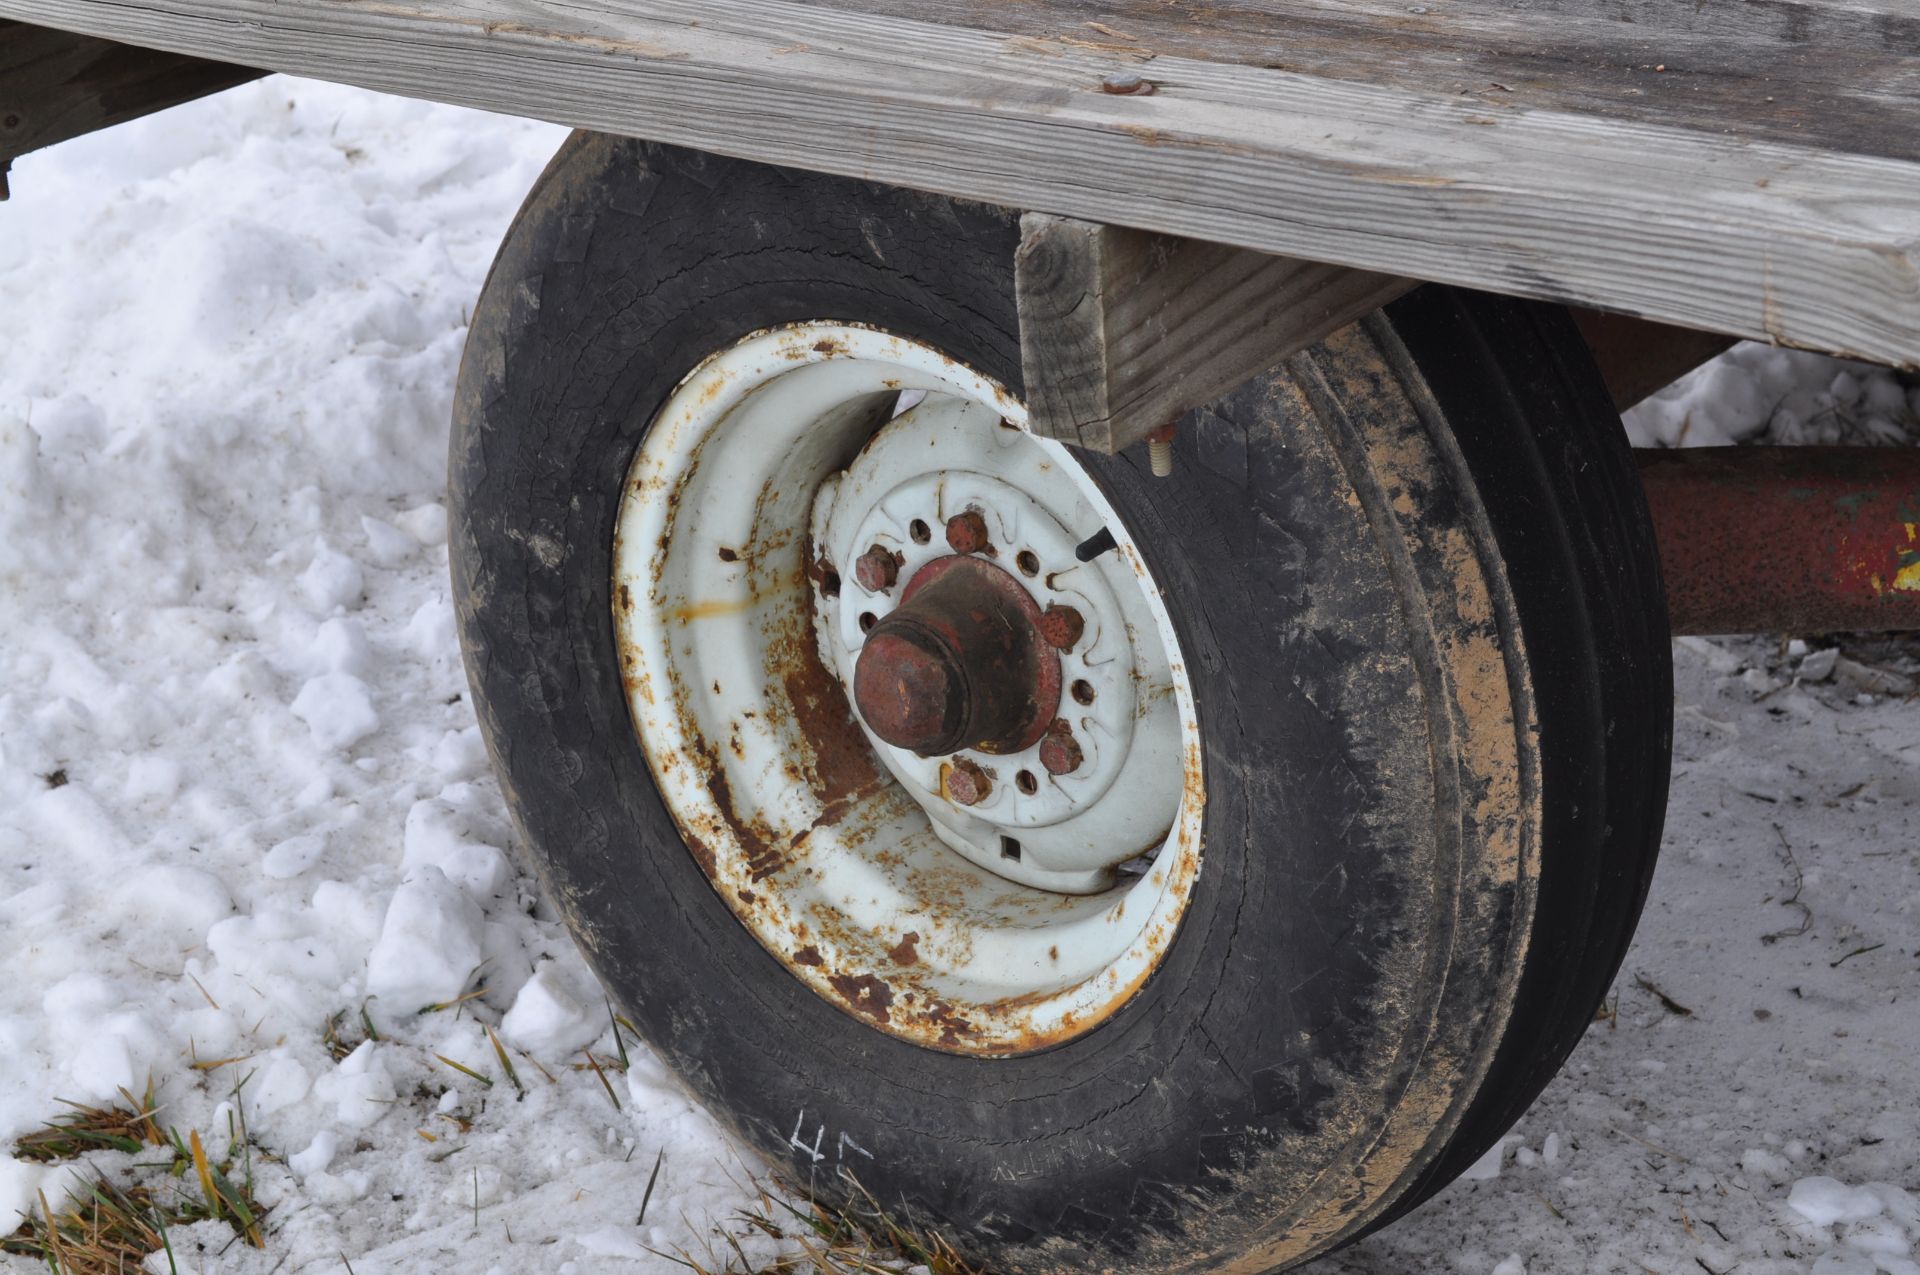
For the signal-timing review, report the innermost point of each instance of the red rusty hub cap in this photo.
(962, 663)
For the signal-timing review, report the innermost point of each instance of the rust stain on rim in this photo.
(766, 799)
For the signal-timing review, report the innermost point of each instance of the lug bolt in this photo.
(967, 783)
(1060, 752)
(1160, 451)
(967, 532)
(876, 570)
(1062, 627)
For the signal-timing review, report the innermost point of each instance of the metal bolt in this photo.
(967, 783)
(1060, 752)
(1127, 84)
(967, 532)
(1062, 627)
(1160, 450)
(876, 569)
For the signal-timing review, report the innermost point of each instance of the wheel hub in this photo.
(782, 516)
(961, 664)
(1008, 685)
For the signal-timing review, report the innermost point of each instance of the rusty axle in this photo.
(1787, 540)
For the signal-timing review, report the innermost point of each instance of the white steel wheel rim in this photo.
(766, 464)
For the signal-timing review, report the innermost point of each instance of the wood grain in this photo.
(1122, 331)
(1837, 74)
(1805, 246)
(55, 85)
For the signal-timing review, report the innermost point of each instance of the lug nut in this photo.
(876, 570)
(967, 532)
(1062, 627)
(967, 783)
(1060, 752)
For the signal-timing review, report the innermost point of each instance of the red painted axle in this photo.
(1788, 540)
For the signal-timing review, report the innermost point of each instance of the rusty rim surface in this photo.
(790, 503)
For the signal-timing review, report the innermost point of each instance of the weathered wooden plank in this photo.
(1837, 74)
(1122, 331)
(1752, 238)
(55, 85)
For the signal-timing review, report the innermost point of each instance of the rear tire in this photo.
(1414, 587)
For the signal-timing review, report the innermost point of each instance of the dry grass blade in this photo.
(85, 1128)
(201, 1167)
(461, 999)
(465, 1070)
(647, 1198)
(506, 1064)
(606, 1084)
(858, 1238)
(106, 1231)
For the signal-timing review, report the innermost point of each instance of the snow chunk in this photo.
(429, 945)
(178, 902)
(1511, 1266)
(318, 1155)
(426, 523)
(152, 778)
(614, 1241)
(440, 836)
(1824, 1201)
(293, 856)
(1818, 667)
(387, 545)
(1767, 1166)
(360, 1087)
(341, 647)
(431, 631)
(1487, 1167)
(1878, 1235)
(19, 1180)
(549, 1015)
(337, 709)
(331, 581)
(281, 1083)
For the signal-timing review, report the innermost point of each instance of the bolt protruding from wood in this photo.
(1160, 450)
(1060, 752)
(1062, 627)
(876, 569)
(967, 532)
(967, 783)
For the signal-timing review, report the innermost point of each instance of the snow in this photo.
(245, 813)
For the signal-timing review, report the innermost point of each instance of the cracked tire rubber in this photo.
(1416, 586)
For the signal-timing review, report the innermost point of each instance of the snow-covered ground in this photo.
(242, 796)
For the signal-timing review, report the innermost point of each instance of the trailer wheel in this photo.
(1096, 868)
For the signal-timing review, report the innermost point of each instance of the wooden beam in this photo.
(1759, 238)
(1638, 358)
(1122, 331)
(55, 85)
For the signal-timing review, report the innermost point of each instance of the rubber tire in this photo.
(1361, 998)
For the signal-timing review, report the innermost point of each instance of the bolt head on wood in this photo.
(1062, 627)
(876, 570)
(967, 783)
(1127, 84)
(1060, 752)
(967, 532)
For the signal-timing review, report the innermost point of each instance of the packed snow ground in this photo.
(242, 795)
